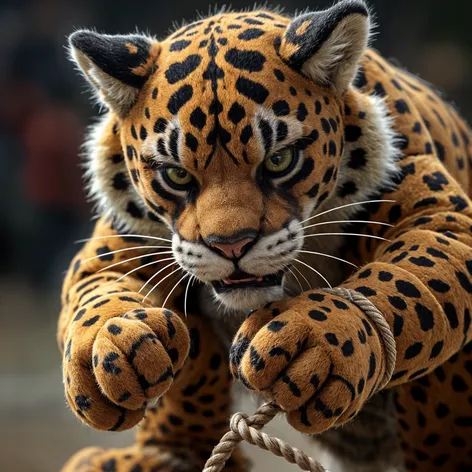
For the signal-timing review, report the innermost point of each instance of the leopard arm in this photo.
(119, 351)
(422, 279)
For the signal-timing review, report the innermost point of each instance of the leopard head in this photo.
(232, 132)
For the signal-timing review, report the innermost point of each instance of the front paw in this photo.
(317, 358)
(115, 365)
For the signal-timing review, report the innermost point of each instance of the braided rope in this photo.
(247, 428)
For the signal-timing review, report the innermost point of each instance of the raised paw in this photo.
(317, 358)
(116, 366)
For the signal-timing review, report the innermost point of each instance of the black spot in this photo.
(347, 188)
(252, 90)
(459, 202)
(372, 366)
(181, 70)
(435, 181)
(332, 339)
(279, 75)
(179, 45)
(302, 112)
(317, 315)
(352, 133)
(413, 350)
(108, 363)
(281, 108)
(418, 394)
(347, 348)
(251, 33)
(407, 288)
(402, 107)
(397, 325)
(451, 315)
(422, 261)
(102, 253)
(215, 361)
(134, 210)
(458, 384)
(357, 158)
(198, 118)
(385, 276)
(120, 181)
(379, 89)
(191, 142)
(251, 61)
(179, 99)
(442, 410)
(366, 291)
(246, 134)
(256, 360)
(236, 113)
(114, 329)
(440, 151)
(276, 326)
(91, 321)
(394, 213)
(425, 316)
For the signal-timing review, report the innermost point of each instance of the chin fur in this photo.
(248, 299)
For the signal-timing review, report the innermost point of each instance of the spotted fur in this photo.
(216, 98)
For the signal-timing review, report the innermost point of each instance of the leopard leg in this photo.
(130, 459)
(435, 417)
(194, 413)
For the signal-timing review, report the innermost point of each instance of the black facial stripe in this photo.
(214, 73)
(181, 70)
(267, 134)
(282, 131)
(162, 192)
(304, 172)
(174, 144)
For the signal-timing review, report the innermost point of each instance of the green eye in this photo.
(280, 162)
(177, 177)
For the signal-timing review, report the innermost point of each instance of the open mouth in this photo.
(240, 280)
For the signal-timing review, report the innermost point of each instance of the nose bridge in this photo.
(229, 208)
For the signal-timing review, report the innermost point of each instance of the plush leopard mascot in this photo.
(247, 162)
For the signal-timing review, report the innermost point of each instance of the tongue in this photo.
(242, 281)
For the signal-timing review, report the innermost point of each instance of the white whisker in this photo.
(133, 259)
(125, 249)
(345, 206)
(157, 273)
(314, 270)
(123, 236)
(296, 278)
(145, 265)
(186, 293)
(160, 281)
(301, 273)
(173, 288)
(330, 256)
(348, 221)
(345, 234)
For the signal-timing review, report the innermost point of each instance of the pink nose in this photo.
(233, 250)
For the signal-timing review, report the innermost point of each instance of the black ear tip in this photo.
(353, 6)
(82, 39)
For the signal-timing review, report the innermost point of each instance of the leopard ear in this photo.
(327, 45)
(116, 66)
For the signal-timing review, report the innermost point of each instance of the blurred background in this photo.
(44, 111)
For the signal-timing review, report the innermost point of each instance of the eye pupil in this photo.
(276, 160)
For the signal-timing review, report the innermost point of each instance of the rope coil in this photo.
(247, 428)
